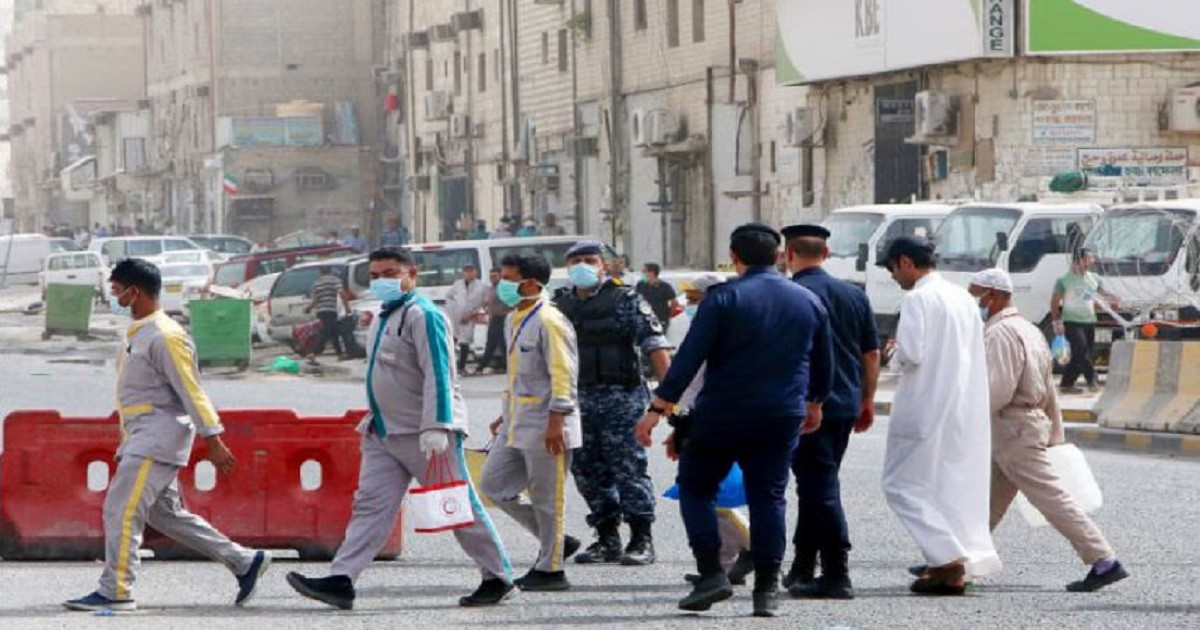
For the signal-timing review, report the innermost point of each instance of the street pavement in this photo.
(1150, 516)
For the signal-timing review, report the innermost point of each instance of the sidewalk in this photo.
(1076, 409)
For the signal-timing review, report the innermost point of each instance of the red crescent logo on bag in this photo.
(450, 506)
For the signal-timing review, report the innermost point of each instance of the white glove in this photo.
(434, 442)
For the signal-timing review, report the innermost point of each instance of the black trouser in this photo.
(1082, 338)
(495, 342)
(329, 332)
(821, 527)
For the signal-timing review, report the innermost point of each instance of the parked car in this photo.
(194, 256)
(21, 255)
(292, 292)
(76, 268)
(244, 268)
(224, 244)
(182, 283)
(151, 248)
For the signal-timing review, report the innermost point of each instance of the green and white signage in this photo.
(1055, 27)
(818, 40)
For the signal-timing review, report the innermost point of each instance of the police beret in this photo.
(757, 227)
(586, 248)
(918, 249)
(809, 230)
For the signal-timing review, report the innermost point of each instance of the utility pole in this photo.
(618, 135)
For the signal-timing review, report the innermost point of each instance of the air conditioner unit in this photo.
(202, 90)
(548, 181)
(414, 40)
(662, 127)
(460, 126)
(585, 147)
(1185, 110)
(937, 115)
(467, 20)
(443, 33)
(799, 128)
(437, 105)
(639, 133)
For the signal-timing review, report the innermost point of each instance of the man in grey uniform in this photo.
(540, 424)
(417, 413)
(157, 382)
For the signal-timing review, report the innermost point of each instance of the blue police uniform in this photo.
(766, 341)
(822, 522)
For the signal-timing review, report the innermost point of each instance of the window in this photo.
(639, 15)
(428, 74)
(178, 245)
(673, 23)
(554, 253)
(298, 282)
(144, 248)
(562, 50)
(849, 230)
(442, 268)
(697, 21)
(1140, 241)
(967, 240)
(230, 275)
(312, 181)
(114, 251)
(482, 73)
(914, 227)
(545, 47)
(1041, 237)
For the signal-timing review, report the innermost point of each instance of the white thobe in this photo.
(462, 301)
(937, 472)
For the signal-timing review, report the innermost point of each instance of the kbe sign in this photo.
(998, 28)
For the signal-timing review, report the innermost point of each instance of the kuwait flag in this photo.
(230, 184)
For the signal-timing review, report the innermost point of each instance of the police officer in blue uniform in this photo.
(849, 407)
(766, 342)
(612, 323)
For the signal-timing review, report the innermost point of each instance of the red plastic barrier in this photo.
(47, 511)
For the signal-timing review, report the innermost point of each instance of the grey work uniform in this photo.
(157, 383)
(412, 386)
(543, 373)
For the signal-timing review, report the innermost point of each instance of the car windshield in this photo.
(59, 245)
(184, 271)
(1139, 241)
(231, 275)
(202, 241)
(847, 230)
(298, 282)
(967, 241)
(441, 268)
(151, 247)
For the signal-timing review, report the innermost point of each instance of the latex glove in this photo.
(434, 442)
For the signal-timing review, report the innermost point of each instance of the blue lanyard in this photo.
(521, 328)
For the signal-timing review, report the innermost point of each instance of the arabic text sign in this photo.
(1064, 122)
(1043, 161)
(1143, 167)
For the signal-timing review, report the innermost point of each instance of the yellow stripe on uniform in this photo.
(560, 476)
(181, 357)
(560, 373)
(135, 497)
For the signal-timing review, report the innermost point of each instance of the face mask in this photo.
(983, 312)
(509, 293)
(387, 289)
(585, 276)
(114, 305)
(691, 310)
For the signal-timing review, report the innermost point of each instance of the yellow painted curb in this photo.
(1139, 441)
(1190, 445)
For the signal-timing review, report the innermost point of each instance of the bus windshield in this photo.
(967, 239)
(847, 230)
(1139, 241)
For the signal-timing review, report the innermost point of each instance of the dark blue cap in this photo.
(806, 230)
(757, 227)
(586, 248)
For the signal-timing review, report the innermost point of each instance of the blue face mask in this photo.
(983, 312)
(584, 276)
(691, 310)
(114, 305)
(509, 292)
(387, 289)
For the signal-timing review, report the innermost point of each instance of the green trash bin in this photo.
(68, 309)
(221, 332)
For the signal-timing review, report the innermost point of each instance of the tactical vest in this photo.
(608, 353)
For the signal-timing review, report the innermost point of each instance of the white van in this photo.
(74, 268)
(1033, 242)
(859, 237)
(22, 255)
(151, 248)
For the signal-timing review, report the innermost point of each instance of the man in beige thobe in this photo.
(1026, 420)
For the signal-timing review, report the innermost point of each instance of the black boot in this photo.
(544, 581)
(489, 593)
(834, 582)
(607, 547)
(711, 586)
(742, 567)
(766, 591)
(640, 551)
(335, 590)
(571, 545)
(804, 568)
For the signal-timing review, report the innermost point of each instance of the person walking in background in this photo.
(355, 241)
(529, 229)
(395, 235)
(539, 428)
(417, 414)
(766, 342)
(480, 233)
(936, 470)
(821, 527)
(550, 226)
(465, 303)
(158, 381)
(618, 272)
(1073, 309)
(497, 311)
(1026, 420)
(659, 295)
(505, 230)
(327, 293)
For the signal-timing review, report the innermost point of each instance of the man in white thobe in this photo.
(937, 471)
(464, 303)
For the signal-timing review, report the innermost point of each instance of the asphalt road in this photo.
(1150, 516)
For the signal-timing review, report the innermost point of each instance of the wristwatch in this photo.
(658, 411)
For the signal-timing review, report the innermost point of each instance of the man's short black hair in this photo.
(920, 251)
(530, 266)
(398, 254)
(755, 245)
(142, 274)
(654, 268)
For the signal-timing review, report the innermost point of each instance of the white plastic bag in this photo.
(443, 503)
(1077, 479)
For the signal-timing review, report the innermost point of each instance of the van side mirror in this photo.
(1002, 241)
(864, 252)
